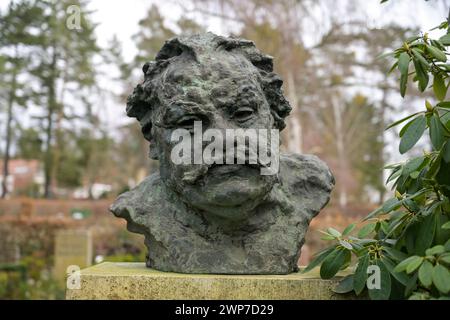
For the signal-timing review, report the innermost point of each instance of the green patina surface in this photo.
(134, 281)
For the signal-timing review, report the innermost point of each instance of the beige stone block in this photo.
(136, 282)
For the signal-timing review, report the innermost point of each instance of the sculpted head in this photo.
(222, 83)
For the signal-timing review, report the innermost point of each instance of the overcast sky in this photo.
(120, 17)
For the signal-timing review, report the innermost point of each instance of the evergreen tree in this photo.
(63, 65)
(16, 37)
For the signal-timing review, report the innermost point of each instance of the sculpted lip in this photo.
(229, 168)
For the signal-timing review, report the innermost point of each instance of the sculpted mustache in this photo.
(199, 171)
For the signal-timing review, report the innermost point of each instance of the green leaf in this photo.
(411, 285)
(439, 87)
(438, 44)
(443, 178)
(446, 225)
(405, 127)
(437, 53)
(334, 232)
(345, 244)
(395, 254)
(402, 120)
(384, 291)
(319, 258)
(345, 285)
(359, 281)
(384, 227)
(414, 175)
(421, 74)
(412, 134)
(446, 151)
(425, 235)
(441, 278)
(445, 40)
(349, 229)
(413, 265)
(394, 175)
(444, 104)
(434, 167)
(447, 245)
(400, 276)
(445, 119)
(412, 165)
(442, 235)
(412, 39)
(438, 249)
(403, 63)
(375, 212)
(426, 273)
(404, 264)
(392, 68)
(403, 84)
(419, 58)
(391, 204)
(327, 237)
(445, 258)
(384, 55)
(366, 230)
(436, 132)
(333, 263)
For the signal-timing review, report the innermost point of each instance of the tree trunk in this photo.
(295, 143)
(382, 116)
(342, 161)
(48, 162)
(11, 98)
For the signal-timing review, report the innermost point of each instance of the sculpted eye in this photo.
(146, 131)
(243, 114)
(187, 122)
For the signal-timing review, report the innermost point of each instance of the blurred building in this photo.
(24, 176)
(94, 191)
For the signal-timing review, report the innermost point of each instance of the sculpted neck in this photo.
(241, 221)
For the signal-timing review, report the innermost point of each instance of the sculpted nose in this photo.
(220, 123)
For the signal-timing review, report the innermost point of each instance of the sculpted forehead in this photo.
(208, 71)
(215, 81)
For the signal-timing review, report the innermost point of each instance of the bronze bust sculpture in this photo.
(218, 217)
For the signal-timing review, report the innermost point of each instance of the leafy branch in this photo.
(408, 237)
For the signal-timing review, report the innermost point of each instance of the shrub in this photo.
(406, 240)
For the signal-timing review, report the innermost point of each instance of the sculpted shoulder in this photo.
(307, 180)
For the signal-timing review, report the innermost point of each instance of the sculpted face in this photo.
(222, 84)
(221, 92)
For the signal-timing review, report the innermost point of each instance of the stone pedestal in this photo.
(133, 281)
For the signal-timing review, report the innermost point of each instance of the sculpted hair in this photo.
(145, 99)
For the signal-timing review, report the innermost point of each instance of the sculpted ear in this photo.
(153, 151)
(279, 106)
